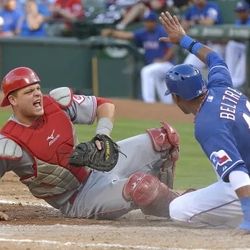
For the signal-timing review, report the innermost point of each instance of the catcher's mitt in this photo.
(87, 154)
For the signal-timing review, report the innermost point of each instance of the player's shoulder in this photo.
(9, 149)
(63, 96)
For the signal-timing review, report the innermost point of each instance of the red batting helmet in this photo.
(17, 78)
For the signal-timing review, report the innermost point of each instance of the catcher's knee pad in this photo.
(141, 188)
(149, 194)
(165, 138)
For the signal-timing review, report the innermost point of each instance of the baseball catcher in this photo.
(100, 153)
(49, 165)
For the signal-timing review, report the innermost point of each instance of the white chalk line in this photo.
(93, 245)
(25, 202)
(98, 245)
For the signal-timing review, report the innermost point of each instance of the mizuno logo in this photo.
(52, 138)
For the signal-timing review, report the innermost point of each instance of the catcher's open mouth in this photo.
(37, 103)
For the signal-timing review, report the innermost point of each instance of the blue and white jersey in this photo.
(149, 41)
(10, 19)
(222, 125)
(27, 32)
(210, 10)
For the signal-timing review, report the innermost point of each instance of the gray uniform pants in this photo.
(101, 196)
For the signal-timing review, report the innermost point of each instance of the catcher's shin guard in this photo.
(166, 141)
(165, 138)
(149, 194)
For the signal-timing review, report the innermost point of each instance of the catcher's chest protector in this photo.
(50, 139)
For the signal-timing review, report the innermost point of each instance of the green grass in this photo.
(193, 168)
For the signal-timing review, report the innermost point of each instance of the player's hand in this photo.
(173, 28)
(106, 32)
(98, 145)
(3, 216)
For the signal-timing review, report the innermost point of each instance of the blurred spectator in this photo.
(9, 16)
(32, 24)
(64, 14)
(202, 12)
(135, 11)
(158, 56)
(235, 53)
(125, 12)
(45, 7)
(206, 13)
(110, 12)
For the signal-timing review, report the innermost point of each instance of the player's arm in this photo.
(119, 34)
(187, 24)
(83, 109)
(105, 116)
(176, 34)
(10, 154)
(240, 182)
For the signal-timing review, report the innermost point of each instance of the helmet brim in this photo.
(6, 102)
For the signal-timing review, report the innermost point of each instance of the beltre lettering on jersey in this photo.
(229, 103)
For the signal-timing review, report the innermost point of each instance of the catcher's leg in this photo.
(140, 156)
(100, 198)
(149, 194)
(147, 152)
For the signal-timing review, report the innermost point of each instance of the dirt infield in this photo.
(144, 111)
(33, 224)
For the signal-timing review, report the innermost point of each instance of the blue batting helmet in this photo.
(186, 81)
